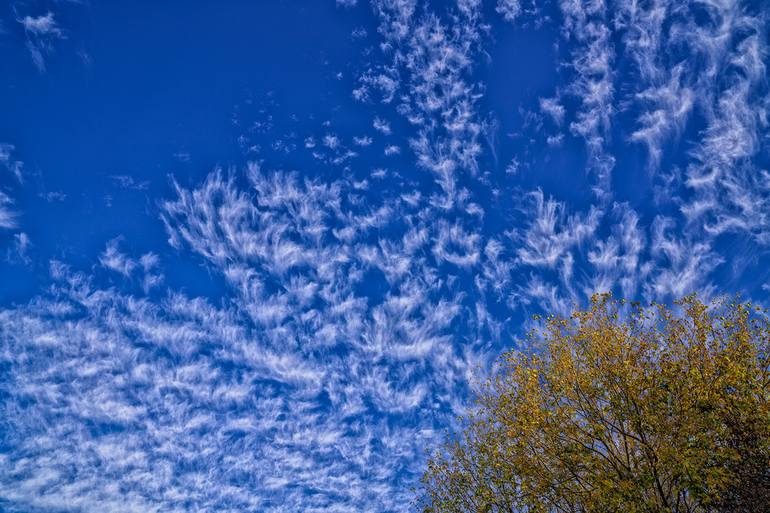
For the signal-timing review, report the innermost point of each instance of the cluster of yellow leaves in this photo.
(620, 408)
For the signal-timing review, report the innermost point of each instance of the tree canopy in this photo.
(619, 408)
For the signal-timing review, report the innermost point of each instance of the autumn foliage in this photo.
(620, 408)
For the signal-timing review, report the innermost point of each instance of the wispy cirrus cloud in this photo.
(42, 32)
(10, 163)
(8, 215)
(592, 84)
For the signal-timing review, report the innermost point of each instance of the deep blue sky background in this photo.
(254, 254)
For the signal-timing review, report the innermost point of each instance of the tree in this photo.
(619, 408)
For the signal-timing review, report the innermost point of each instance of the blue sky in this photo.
(255, 255)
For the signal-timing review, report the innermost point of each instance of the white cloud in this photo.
(392, 149)
(457, 246)
(509, 9)
(42, 32)
(43, 25)
(362, 141)
(553, 108)
(670, 105)
(7, 215)
(10, 164)
(113, 259)
(551, 233)
(592, 59)
(381, 126)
